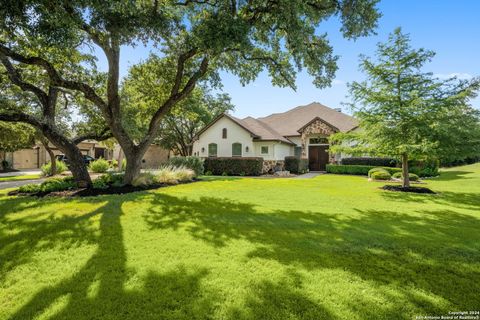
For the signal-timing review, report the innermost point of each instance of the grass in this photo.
(22, 177)
(332, 247)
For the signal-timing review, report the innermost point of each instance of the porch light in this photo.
(246, 149)
(203, 150)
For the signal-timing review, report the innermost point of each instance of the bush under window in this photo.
(234, 166)
(296, 165)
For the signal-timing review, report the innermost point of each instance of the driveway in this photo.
(19, 183)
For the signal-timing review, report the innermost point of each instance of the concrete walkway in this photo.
(309, 175)
(19, 183)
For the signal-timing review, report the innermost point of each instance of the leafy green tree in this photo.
(28, 95)
(196, 38)
(404, 112)
(13, 137)
(141, 92)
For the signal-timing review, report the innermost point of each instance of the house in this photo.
(302, 132)
(37, 156)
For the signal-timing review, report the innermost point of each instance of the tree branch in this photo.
(55, 77)
(176, 94)
(104, 135)
(16, 79)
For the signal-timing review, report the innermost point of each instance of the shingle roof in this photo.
(279, 126)
(288, 123)
(262, 130)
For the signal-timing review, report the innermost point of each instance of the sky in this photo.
(451, 28)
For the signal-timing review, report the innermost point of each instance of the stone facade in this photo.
(316, 127)
(269, 166)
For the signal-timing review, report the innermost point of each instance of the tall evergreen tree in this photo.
(405, 112)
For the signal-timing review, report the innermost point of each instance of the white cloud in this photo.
(459, 75)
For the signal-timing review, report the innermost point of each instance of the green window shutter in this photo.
(236, 149)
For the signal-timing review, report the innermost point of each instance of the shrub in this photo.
(296, 165)
(424, 168)
(381, 175)
(367, 161)
(124, 164)
(114, 164)
(144, 179)
(411, 176)
(29, 188)
(5, 164)
(50, 185)
(348, 169)
(356, 169)
(377, 169)
(57, 184)
(166, 175)
(99, 166)
(47, 168)
(193, 163)
(109, 179)
(184, 174)
(234, 166)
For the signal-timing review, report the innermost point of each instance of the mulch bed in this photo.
(90, 192)
(408, 189)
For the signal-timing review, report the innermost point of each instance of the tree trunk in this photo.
(134, 162)
(76, 162)
(405, 174)
(53, 161)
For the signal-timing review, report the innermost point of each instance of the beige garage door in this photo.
(25, 159)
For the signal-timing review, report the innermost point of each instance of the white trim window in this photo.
(236, 149)
(264, 150)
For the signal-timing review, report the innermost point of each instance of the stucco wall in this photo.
(235, 133)
(283, 150)
(271, 150)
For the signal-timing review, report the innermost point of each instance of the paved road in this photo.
(16, 184)
(20, 173)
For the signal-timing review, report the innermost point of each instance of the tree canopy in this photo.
(141, 91)
(196, 39)
(408, 113)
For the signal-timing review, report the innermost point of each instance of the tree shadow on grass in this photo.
(453, 175)
(175, 294)
(464, 200)
(434, 251)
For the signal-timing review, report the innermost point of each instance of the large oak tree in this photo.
(196, 37)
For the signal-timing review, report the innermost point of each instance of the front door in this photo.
(317, 158)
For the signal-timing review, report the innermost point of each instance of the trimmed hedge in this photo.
(194, 163)
(411, 176)
(380, 175)
(296, 165)
(234, 166)
(356, 169)
(377, 169)
(367, 161)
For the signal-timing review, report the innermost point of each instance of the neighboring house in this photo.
(302, 132)
(37, 156)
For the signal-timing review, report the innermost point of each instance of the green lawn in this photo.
(17, 178)
(333, 247)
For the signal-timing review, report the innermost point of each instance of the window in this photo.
(318, 141)
(224, 133)
(264, 150)
(212, 150)
(236, 149)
